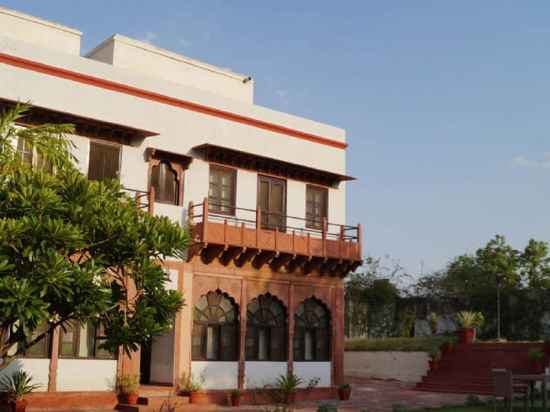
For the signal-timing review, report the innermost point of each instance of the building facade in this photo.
(263, 193)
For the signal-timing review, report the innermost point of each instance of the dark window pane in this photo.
(41, 348)
(68, 341)
(165, 181)
(221, 192)
(104, 161)
(215, 330)
(312, 334)
(316, 206)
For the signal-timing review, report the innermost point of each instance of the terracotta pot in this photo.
(466, 336)
(198, 397)
(344, 393)
(128, 398)
(235, 399)
(291, 398)
(19, 405)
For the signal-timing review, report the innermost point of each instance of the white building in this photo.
(264, 192)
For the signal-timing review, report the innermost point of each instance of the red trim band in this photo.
(160, 98)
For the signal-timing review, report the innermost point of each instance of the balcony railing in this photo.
(144, 200)
(245, 235)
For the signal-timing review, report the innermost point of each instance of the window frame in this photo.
(315, 332)
(270, 335)
(46, 342)
(204, 325)
(311, 223)
(105, 143)
(77, 329)
(177, 169)
(214, 207)
(36, 158)
(264, 178)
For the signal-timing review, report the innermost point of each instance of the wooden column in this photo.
(290, 322)
(52, 373)
(242, 335)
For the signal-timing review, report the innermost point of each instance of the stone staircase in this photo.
(467, 369)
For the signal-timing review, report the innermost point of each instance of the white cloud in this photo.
(149, 37)
(525, 162)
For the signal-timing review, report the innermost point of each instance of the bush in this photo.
(327, 407)
(424, 344)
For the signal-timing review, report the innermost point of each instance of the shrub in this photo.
(399, 408)
(17, 385)
(188, 383)
(535, 354)
(327, 407)
(470, 320)
(127, 384)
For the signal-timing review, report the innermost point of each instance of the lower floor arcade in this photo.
(240, 327)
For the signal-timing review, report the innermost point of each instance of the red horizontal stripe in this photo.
(160, 98)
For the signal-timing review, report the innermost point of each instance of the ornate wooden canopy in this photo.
(83, 126)
(263, 164)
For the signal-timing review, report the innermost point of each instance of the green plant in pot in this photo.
(16, 386)
(344, 391)
(435, 357)
(127, 389)
(287, 386)
(194, 388)
(536, 360)
(468, 322)
(235, 397)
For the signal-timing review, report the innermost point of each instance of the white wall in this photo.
(217, 375)
(30, 29)
(401, 366)
(150, 60)
(39, 369)
(86, 375)
(311, 370)
(259, 374)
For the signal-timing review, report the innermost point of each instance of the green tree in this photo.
(76, 250)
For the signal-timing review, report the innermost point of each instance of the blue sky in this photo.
(446, 104)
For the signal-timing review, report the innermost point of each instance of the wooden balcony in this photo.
(247, 236)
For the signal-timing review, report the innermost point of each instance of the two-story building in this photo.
(263, 192)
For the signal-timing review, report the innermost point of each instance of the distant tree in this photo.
(76, 250)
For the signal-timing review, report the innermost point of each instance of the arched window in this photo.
(312, 332)
(215, 328)
(266, 330)
(166, 182)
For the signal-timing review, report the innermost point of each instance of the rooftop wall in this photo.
(40, 32)
(121, 51)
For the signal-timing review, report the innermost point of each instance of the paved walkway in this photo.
(372, 395)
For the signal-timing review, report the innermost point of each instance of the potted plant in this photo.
(235, 397)
(194, 388)
(433, 319)
(344, 391)
(468, 323)
(16, 386)
(435, 357)
(287, 385)
(127, 389)
(536, 360)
